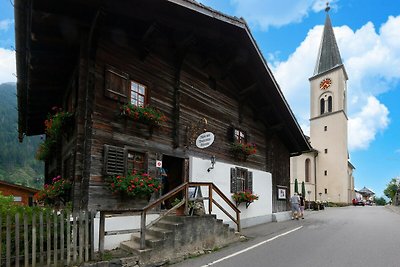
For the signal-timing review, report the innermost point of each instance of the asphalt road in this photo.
(340, 237)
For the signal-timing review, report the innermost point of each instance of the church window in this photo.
(326, 190)
(326, 151)
(330, 104)
(325, 172)
(307, 170)
(325, 128)
(322, 101)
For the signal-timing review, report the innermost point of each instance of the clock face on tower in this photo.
(325, 83)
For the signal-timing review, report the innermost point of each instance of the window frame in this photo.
(307, 171)
(239, 136)
(119, 87)
(246, 181)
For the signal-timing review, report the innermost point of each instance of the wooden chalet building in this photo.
(202, 69)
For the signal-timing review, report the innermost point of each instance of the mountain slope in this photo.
(17, 160)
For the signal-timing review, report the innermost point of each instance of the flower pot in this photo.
(126, 202)
(180, 211)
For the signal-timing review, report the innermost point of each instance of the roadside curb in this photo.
(395, 209)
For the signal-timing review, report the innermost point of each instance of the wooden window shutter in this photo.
(114, 160)
(231, 134)
(250, 181)
(116, 85)
(233, 180)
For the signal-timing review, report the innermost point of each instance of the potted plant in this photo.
(244, 197)
(146, 114)
(55, 194)
(242, 150)
(180, 211)
(55, 125)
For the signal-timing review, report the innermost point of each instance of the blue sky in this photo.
(288, 33)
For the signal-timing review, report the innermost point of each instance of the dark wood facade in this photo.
(200, 67)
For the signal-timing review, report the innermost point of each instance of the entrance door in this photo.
(175, 169)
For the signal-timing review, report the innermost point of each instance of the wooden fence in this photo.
(46, 239)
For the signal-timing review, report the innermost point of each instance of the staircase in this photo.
(176, 237)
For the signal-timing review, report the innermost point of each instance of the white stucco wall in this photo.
(260, 211)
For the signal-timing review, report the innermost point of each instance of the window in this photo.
(329, 103)
(326, 151)
(307, 170)
(239, 136)
(326, 172)
(119, 161)
(325, 128)
(326, 190)
(135, 161)
(241, 180)
(322, 103)
(138, 94)
(17, 199)
(119, 87)
(325, 103)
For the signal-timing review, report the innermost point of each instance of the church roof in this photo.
(328, 55)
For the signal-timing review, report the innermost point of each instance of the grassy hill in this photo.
(17, 160)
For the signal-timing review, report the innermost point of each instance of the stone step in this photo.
(177, 236)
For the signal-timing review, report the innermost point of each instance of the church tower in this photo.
(328, 120)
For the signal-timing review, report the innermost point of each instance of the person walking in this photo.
(302, 205)
(295, 202)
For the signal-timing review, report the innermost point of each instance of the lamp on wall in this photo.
(212, 163)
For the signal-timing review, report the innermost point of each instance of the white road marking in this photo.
(254, 246)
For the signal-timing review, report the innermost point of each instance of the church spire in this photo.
(328, 55)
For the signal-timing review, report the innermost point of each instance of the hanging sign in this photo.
(205, 140)
(158, 163)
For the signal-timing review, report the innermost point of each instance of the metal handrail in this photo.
(183, 187)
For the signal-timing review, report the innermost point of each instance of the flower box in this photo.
(244, 197)
(55, 194)
(147, 114)
(241, 151)
(135, 185)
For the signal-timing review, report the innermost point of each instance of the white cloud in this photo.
(265, 13)
(7, 66)
(372, 61)
(5, 24)
(364, 125)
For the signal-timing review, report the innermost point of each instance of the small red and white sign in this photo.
(158, 163)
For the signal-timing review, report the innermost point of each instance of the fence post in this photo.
(26, 240)
(143, 230)
(210, 200)
(62, 241)
(68, 238)
(55, 235)
(41, 238)
(101, 233)
(16, 239)
(34, 239)
(8, 240)
(92, 216)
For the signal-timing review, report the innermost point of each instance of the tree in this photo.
(391, 188)
(380, 201)
(303, 189)
(296, 186)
